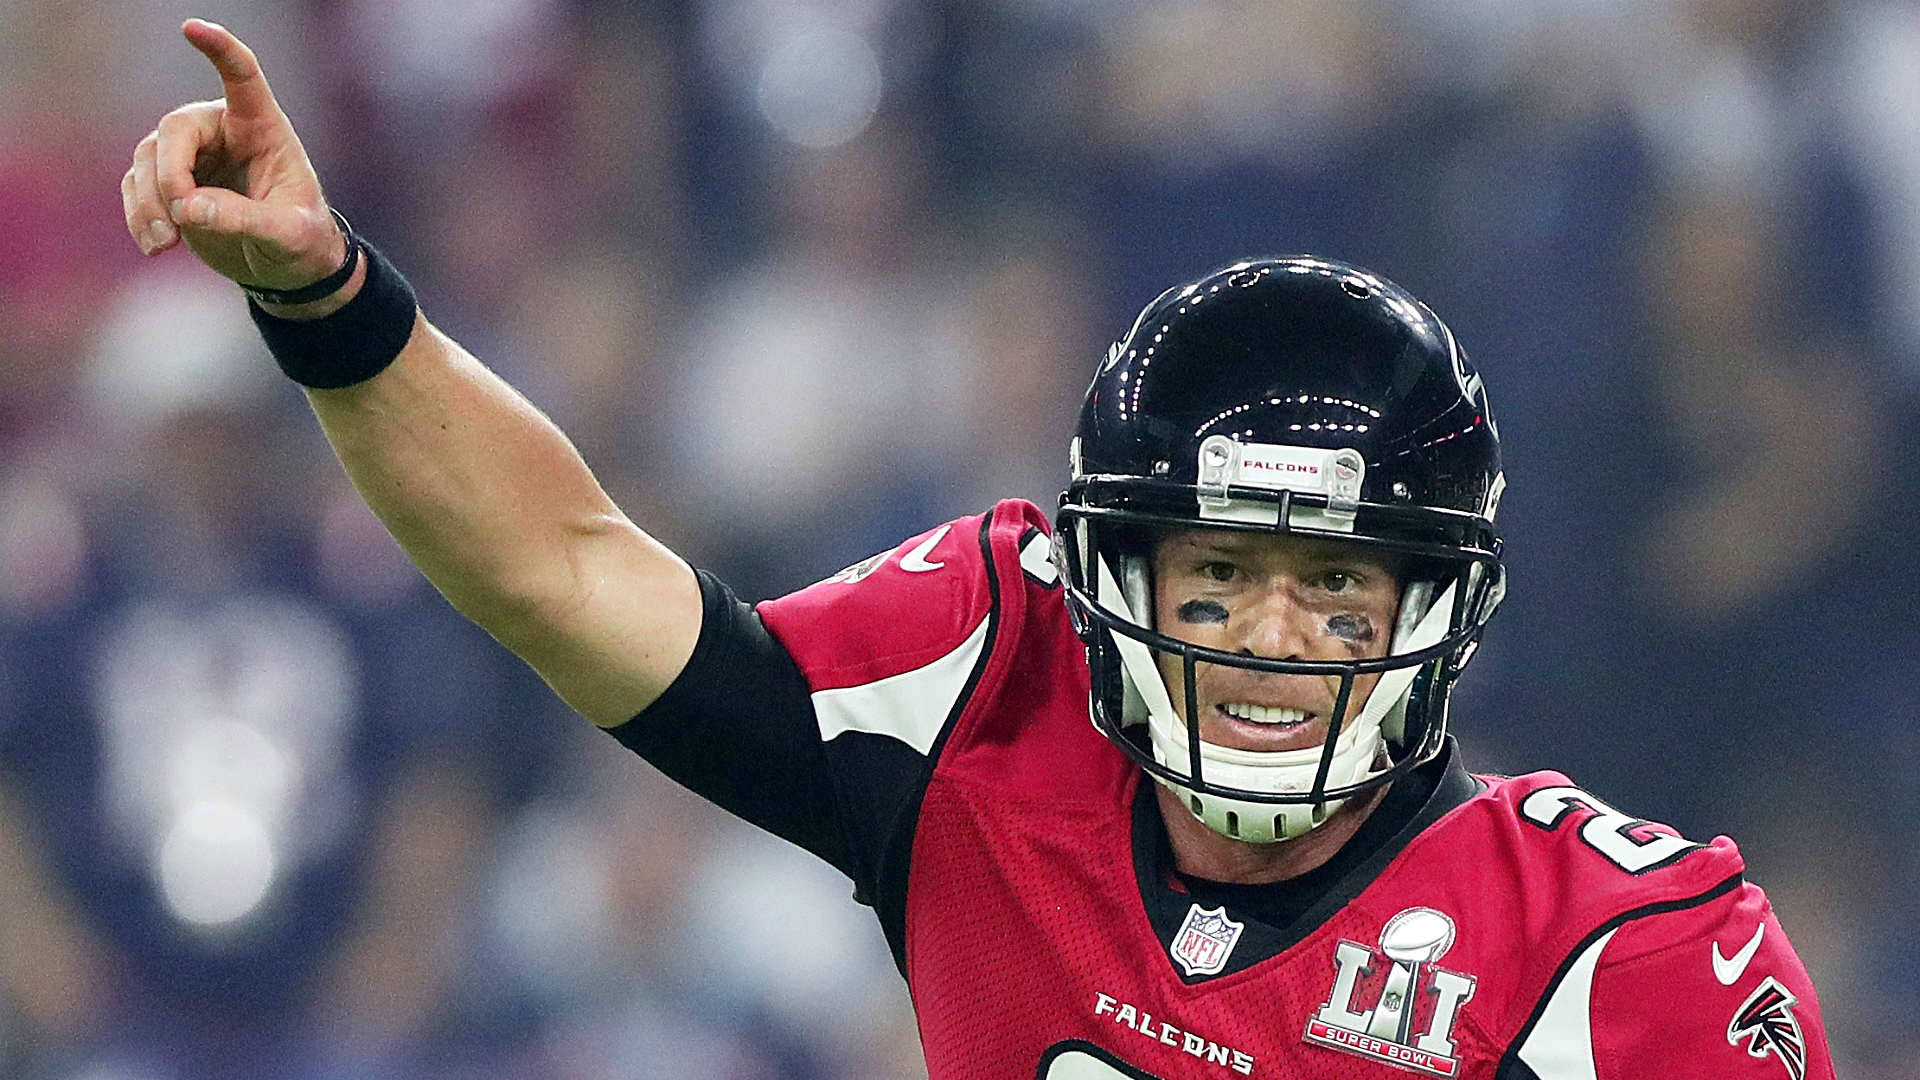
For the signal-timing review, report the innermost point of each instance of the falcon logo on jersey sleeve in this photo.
(1205, 940)
(1766, 1020)
(913, 562)
(1402, 1011)
(858, 572)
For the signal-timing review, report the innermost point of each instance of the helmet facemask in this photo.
(1265, 796)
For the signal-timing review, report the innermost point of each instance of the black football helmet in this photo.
(1283, 395)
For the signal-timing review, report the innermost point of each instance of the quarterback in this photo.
(1160, 787)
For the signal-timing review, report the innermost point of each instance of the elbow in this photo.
(541, 590)
(557, 587)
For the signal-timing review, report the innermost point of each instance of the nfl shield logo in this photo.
(1205, 940)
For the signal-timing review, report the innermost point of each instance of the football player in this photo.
(1160, 788)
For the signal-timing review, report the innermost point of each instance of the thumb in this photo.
(274, 244)
(229, 213)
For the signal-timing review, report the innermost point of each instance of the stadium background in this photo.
(802, 278)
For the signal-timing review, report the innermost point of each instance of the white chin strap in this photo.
(1358, 754)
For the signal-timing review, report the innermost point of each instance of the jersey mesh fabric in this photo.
(1051, 944)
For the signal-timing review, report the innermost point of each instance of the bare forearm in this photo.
(486, 495)
(495, 505)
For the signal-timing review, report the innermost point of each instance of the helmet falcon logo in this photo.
(1766, 1020)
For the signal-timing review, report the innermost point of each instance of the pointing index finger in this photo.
(245, 86)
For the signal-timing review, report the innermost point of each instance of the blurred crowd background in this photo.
(802, 277)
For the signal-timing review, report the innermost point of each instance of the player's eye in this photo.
(1338, 581)
(1217, 570)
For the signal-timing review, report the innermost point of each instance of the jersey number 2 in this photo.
(1608, 831)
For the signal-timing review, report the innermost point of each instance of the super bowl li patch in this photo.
(1401, 1012)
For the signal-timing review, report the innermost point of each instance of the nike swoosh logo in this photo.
(1729, 969)
(915, 561)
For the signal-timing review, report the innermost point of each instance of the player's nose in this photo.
(1275, 627)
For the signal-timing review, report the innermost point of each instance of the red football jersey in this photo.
(1526, 930)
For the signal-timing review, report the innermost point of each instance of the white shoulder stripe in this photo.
(911, 706)
(1560, 1047)
(1036, 558)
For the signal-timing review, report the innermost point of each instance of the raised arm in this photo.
(486, 495)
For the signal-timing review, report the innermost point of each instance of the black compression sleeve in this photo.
(737, 726)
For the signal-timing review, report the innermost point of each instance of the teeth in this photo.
(1261, 714)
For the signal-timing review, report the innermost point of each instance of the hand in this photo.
(231, 178)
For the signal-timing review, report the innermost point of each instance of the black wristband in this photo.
(354, 343)
(319, 290)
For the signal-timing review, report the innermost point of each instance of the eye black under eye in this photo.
(1202, 611)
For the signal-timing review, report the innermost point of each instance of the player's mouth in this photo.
(1247, 726)
(1271, 716)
